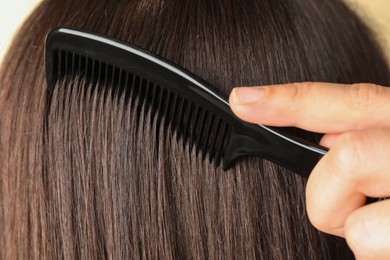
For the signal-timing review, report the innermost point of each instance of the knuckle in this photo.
(300, 90)
(294, 89)
(299, 94)
(349, 155)
(364, 96)
(318, 215)
(320, 221)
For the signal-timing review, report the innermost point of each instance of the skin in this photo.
(356, 122)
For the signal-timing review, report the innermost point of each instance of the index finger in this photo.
(314, 106)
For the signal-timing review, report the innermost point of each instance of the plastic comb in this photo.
(199, 114)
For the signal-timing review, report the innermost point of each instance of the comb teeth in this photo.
(193, 125)
(178, 102)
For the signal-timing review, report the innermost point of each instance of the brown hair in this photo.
(82, 177)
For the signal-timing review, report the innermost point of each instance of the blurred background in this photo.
(376, 13)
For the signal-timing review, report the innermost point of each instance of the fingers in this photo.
(367, 231)
(356, 166)
(355, 118)
(318, 107)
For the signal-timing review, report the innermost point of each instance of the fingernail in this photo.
(247, 95)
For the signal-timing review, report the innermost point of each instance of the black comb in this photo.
(198, 113)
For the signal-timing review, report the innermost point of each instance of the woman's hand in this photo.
(356, 122)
